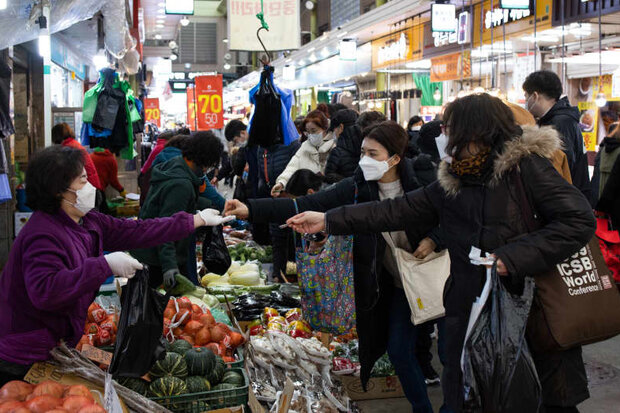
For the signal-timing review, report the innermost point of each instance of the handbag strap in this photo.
(529, 216)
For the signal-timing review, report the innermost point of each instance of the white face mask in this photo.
(372, 169)
(442, 142)
(315, 139)
(416, 128)
(86, 198)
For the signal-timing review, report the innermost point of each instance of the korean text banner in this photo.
(191, 109)
(282, 16)
(451, 67)
(209, 106)
(151, 111)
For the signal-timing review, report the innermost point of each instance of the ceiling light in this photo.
(184, 21)
(160, 26)
(188, 66)
(342, 34)
(288, 60)
(173, 57)
(172, 44)
(325, 52)
(310, 50)
(600, 100)
(301, 63)
(158, 37)
(312, 58)
(371, 104)
(100, 60)
(478, 89)
(227, 66)
(225, 40)
(309, 5)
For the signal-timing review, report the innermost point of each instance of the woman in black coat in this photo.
(383, 314)
(475, 202)
(343, 159)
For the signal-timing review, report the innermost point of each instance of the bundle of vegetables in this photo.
(100, 328)
(249, 307)
(187, 369)
(189, 322)
(244, 252)
(48, 396)
(237, 275)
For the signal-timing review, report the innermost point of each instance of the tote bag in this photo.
(327, 286)
(423, 281)
(576, 302)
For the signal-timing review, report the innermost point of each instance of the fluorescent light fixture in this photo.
(179, 6)
(310, 50)
(227, 66)
(188, 66)
(325, 53)
(172, 44)
(342, 34)
(288, 60)
(173, 57)
(313, 58)
(160, 26)
(225, 40)
(514, 4)
(420, 64)
(301, 63)
(45, 47)
(609, 57)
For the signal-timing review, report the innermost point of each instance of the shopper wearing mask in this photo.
(176, 186)
(342, 160)
(56, 264)
(543, 90)
(413, 129)
(474, 202)
(383, 314)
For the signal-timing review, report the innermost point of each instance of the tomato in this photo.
(236, 339)
(16, 390)
(169, 313)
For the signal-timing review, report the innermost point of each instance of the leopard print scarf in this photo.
(474, 166)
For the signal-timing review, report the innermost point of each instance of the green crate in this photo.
(214, 399)
(239, 363)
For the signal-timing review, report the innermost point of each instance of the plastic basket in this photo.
(210, 400)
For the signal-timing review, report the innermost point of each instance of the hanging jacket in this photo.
(307, 157)
(565, 119)
(107, 169)
(343, 159)
(91, 171)
(174, 188)
(373, 285)
(488, 215)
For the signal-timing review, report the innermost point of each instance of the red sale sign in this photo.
(151, 111)
(209, 107)
(191, 109)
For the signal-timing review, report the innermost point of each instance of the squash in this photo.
(216, 374)
(168, 386)
(199, 361)
(172, 365)
(180, 346)
(224, 386)
(197, 384)
(234, 378)
(138, 385)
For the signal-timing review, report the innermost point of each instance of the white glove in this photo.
(123, 265)
(212, 217)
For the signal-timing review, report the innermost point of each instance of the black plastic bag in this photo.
(139, 343)
(499, 374)
(109, 102)
(215, 254)
(266, 129)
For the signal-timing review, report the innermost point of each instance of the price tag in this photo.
(111, 402)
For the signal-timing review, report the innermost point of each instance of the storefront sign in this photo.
(588, 122)
(460, 36)
(191, 108)
(397, 48)
(282, 16)
(209, 106)
(514, 4)
(443, 17)
(497, 17)
(451, 67)
(179, 6)
(151, 111)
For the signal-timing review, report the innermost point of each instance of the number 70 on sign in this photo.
(212, 101)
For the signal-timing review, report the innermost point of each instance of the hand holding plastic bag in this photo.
(215, 254)
(498, 371)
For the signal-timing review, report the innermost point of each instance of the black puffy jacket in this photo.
(488, 216)
(565, 119)
(373, 285)
(266, 164)
(343, 159)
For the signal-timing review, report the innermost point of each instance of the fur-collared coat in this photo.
(488, 216)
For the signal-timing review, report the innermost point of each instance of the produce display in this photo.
(100, 329)
(48, 396)
(245, 252)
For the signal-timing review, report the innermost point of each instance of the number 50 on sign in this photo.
(209, 102)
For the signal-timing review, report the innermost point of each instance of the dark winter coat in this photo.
(565, 119)
(488, 216)
(412, 147)
(373, 285)
(266, 164)
(609, 175)
(343, 159)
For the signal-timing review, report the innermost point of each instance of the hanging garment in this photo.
(6, 125)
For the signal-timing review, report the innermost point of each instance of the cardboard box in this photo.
(378, 388)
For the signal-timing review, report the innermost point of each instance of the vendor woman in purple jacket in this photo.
(56, 265)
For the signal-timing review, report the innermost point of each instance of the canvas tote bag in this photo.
(576, 302)
(423, 281)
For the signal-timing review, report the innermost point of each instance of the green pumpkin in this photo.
(197, 384)
(172, 365)
(234, 378)
(168, 386)
(224, 386)
(200, 361)
(180, 347)
(217, 372)
(138, 385)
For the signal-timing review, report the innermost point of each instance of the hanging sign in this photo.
(443, 17)
(498, 16)
(397, 48)
(179, 7)
(348, 49)
(514, 4)
(282, 16)
(588, 120)
(151, 111)
(451, 67)
(191, 109)
(209, 102)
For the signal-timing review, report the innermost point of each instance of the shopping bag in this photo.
(499, 374)
(576, 301)
(326, 285)
(139, 343)
(265, 126)
(609, 242)
(423, 281)
(215, 254)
